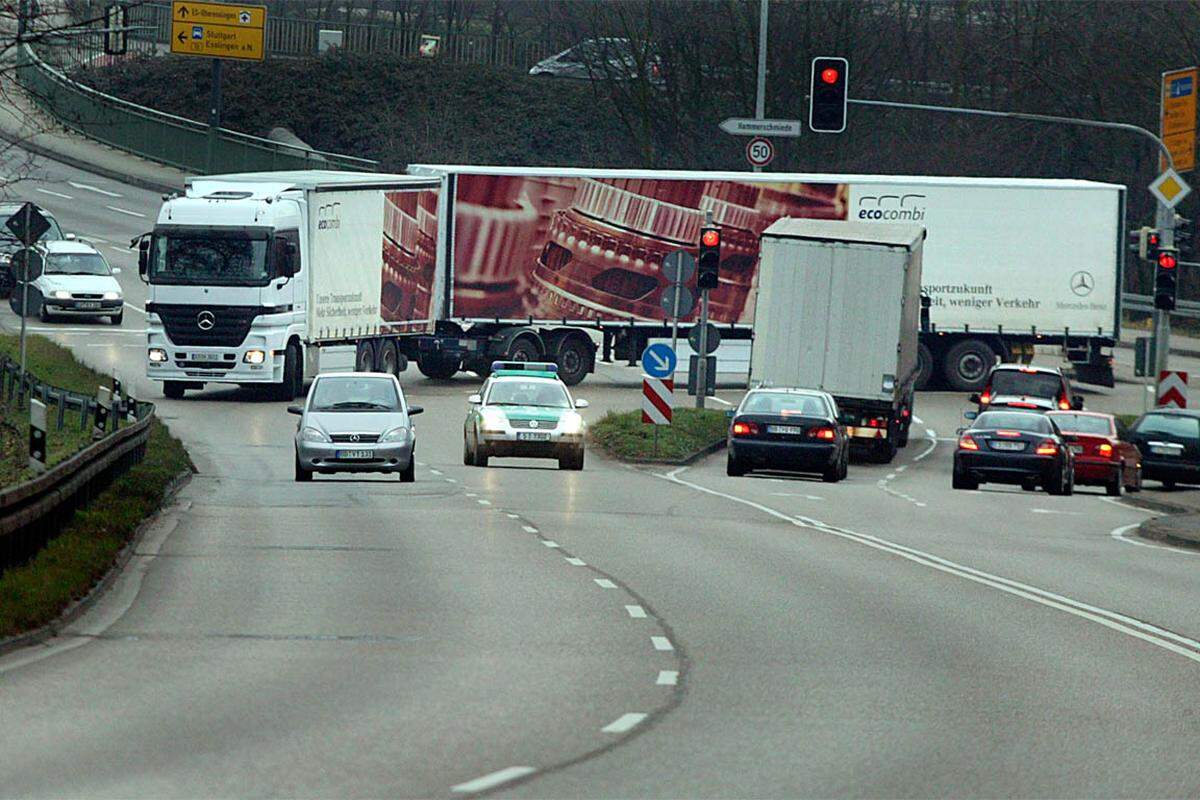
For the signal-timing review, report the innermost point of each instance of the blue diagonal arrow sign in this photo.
(658, 360)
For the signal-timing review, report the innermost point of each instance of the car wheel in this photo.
(576, 462)
(43, 309)
(173, 390)
(1029, 486)
(733, 467)
(1113, 488)
(1136, 486)
(480, 457)
(302, 475)
(468, 456)
(409, 473)
(832, 473)
(959, 479)
(845, 470)
(1069, 486)
(117, 319)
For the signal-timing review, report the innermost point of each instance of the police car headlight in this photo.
(572, 423)
(394, 435)
(494, 420)
(313, 435)
(157, 355)
(111, 296)
(61, 294)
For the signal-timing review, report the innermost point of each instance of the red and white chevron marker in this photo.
(1172, 389)
(658, 400)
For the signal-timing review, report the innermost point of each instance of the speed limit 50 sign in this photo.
(759, 151)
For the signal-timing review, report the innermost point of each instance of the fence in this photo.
(31, 513)
(161, 137)
(1144, 302)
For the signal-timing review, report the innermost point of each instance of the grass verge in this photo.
(624, 436)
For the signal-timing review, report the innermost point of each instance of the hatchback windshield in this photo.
(1084, 423)
(528, 393)
(354, 394)
(1012, 420)
(226, 260)
(76, 264)
(784, 404)
(1170, 425)
(1030, 384)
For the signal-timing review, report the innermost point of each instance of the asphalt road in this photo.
(618, 632)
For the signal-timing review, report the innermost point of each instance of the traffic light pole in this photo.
(1164, 220)
(702, 361)
(760, 98)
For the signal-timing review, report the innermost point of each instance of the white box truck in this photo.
(839, 309)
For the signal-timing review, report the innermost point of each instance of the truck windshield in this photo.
(212, 260)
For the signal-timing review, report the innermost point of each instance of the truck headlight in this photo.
(394, 435)
(494, 420)
(313, 435)
(254, 357)
(572, 423)
(157, 355)
(111, 296)
(60, 294)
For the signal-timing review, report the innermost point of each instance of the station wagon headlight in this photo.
(112, 296)
(61, 294)
(394, 435)
(494, 420)
(313, 435)
(571, 423)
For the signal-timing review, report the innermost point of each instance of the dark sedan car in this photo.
(794, 430)
(1014, 447)
(1169, 441)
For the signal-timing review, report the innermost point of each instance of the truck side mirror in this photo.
(144, 257)
(926, 302)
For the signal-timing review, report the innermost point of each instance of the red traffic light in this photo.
(711, 238)
(829, 75)
(1167, 260)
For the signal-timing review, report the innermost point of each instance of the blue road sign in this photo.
(1181, 87)
(659, 360)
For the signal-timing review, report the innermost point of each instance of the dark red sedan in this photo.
(1103, 456)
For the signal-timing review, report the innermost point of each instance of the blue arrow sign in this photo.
(659, 360)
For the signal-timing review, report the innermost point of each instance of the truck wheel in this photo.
(574, 358)
(523, 349)
(884, 451)
(388, 359)
(966, 365)
(173, 390)
(364, 358)
(924, 365)
(439, 368)
(293, 374)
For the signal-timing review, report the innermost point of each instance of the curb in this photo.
(78, 608)
(686, 461)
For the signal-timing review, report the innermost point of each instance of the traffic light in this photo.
(709, 263)
(1183, 238)
(827, 94)
(1145, 241)
(1165, 278)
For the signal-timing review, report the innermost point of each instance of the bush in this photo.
(692, 430)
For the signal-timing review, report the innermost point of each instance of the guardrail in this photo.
(32, 512)
(1144, 302)
(162, 137)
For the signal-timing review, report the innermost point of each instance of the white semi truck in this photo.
(839, 309)
(254, 276)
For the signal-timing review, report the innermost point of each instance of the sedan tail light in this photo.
(1064, 404)
(1105, 450)
(745, 429)
(965, 442)
(1047, 448)
(824, 434)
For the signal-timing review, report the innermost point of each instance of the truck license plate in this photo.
(532, 436)
(355, 454)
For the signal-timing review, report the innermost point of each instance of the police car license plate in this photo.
(1008, 445)
(533, 436)
(355, 454)
(87, 305)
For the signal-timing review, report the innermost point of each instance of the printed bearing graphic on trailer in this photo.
(592, 249)
(409, 258)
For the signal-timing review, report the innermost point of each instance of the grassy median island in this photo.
(623, 435)
(35, 593)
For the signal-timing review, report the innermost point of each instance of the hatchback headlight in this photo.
(494, 420)
(571, 423)
(111, 296)
(60, 294)
(313, 435)
(157, 355)
(394, 435)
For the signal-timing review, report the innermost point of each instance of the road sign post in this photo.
(37, 434)
(28, 225)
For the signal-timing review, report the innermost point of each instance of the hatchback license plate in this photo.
(1014, 446)
(88, 305)
(355, 454)
(531, 436)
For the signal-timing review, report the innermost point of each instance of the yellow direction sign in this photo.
(217, 30)
(1169, 188)
(1177, 124)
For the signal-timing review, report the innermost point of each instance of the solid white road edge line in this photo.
(1119, 535)
(492, 779)
(623, 723)
(95, 189)
(126, 212)
(1114, 620)
(719, 400)
(54, 194)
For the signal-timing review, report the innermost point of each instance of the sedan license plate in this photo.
(87, 305)
(1077, 449)
(355, 454)
(790, 430)
(1165, 450)
(533, 436)
(1012, 446)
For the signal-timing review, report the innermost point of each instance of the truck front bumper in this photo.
(168, 362)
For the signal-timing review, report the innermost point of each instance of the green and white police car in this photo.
(524, 411)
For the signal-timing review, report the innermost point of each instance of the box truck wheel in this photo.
(924, 365)
(438, 367)
(966, 365)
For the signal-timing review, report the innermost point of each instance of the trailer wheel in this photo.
(437, 367)
(523, 348)
(924, 365)
(966, 365)
(387, 360)
(574, 358)
(364, 357)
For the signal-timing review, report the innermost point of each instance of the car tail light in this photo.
(824, 434)
(745, 429)
(1019, 404)
(875, 422)
(965, 442)
(1064, 404)
(986, 397)
(1106, 450)
(1009, 434)
(1047, 448)
(904, 412)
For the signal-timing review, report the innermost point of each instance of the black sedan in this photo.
(1169, 441)
(1014, 447)
(793, 430)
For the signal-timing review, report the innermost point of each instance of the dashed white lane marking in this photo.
(918, 420)
(95, 344)
(55, 194)
(1119, 535)
(451, 480)
(723, 402)
(931, 437)
(549, 543)
(623, 723)
(797, 494)
(637, 612)
(1113, 620)
(421, 464)
(577, 562)
(95, 189)
(901, 468)
(1054, 511)
(492, 779)
(126, 211)
(470, 494)
(484, 502)
(435, 472)
(891, 476)
(667, 677)
(662, 643)
(135, 308)
(604, 583)
(513, 516)
(529, 529)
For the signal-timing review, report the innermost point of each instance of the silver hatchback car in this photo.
(355, 422)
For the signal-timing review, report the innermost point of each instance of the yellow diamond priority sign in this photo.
(1169, 188)
(217, 30)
